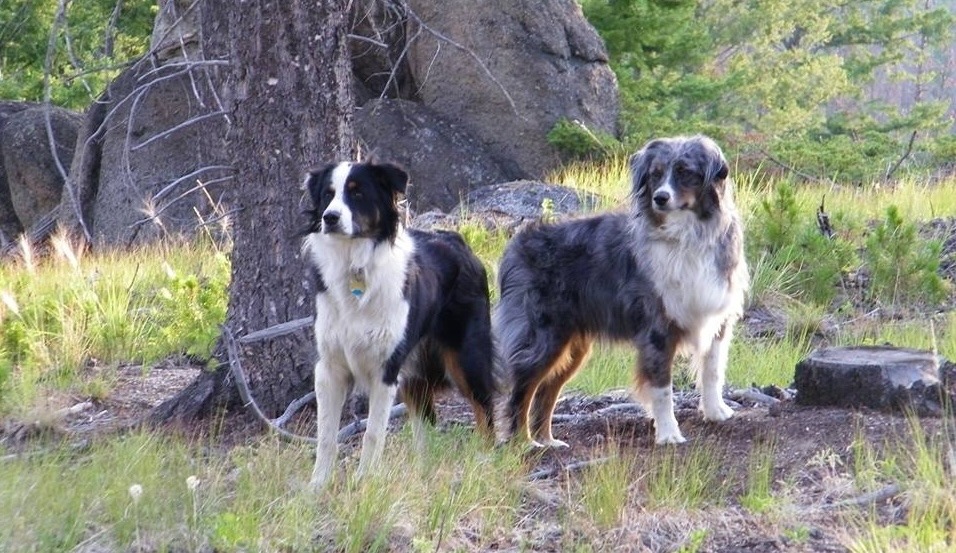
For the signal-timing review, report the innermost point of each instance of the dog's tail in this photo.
(519, 346)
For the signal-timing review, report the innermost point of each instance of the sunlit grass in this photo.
(609, 182)
(683, 478)
(605, 487)
(922, 467)
(256, 497)
(62, 311)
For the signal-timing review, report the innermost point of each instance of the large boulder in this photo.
(10, 225)
(444, 163)
(152, 161)
(36, 149)
(508, 70)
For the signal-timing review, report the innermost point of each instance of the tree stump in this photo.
(879, 377)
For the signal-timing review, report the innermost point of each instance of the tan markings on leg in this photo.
(572, 358)
(457, 375)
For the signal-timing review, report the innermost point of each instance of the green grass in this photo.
(64, 315)
(922, 466)
(65, 311)
(256, 497)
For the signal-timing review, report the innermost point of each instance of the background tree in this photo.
(288, 93)
(842, 90)
(85, 44)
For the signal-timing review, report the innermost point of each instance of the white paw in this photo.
(546, 444)
(716, 411)
(554, 443)
(670, 438)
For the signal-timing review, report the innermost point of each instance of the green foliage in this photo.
(903, 268)
(579, 142)
(61, 314)
(788, 242)
(190, 308)
(87, 49)
(791, 79)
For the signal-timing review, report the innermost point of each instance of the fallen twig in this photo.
(569, 468)
(878, 496)
(235, 368)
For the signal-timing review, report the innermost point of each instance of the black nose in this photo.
(661, 197)
(330, 218)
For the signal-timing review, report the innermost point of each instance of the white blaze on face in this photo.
(337, 181)
(666, 187)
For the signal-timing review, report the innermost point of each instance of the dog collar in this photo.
(357, 283)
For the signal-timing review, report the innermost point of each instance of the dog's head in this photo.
(356, 200)
(682, 174)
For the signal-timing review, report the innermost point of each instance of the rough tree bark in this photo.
(287, 91)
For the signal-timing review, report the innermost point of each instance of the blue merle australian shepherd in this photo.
(668, 276)
(395, 309)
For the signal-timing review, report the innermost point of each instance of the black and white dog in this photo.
(394, 308)
(669, 276)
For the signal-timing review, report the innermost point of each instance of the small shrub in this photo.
(902, 267)
(579, 142)
(190, 308)
(793, 253)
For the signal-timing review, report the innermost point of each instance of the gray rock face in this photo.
(444, 164)
(148, 148)
(526, 200)
(31, 181)
(878, 377)
(10, 226)
(543, 54)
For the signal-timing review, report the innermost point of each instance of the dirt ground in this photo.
(812, 459)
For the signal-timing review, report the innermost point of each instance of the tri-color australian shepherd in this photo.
(395, 308)
(668, 276)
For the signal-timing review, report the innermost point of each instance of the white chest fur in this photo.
(361, 317)
(682, 260)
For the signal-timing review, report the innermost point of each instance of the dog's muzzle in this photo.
(331, 222)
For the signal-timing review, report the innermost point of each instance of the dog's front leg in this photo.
(381, 397)
(331, 388)
(711, 367)
(656, 353)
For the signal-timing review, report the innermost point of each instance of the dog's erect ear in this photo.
(392, 176)
(641, 163)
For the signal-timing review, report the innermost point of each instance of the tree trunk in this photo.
(288, 93)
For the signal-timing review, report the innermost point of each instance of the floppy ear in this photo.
(313, 182)
(392, 176)
(717, 168)
(641, 166)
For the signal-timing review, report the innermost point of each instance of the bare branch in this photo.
(293, 408)
(235, 368)
(109, 35)
(788, 167)
(906, 154)
(167, 132)
(566, 469)
(280, 329)
(438, 35)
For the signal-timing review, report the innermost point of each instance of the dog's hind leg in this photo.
(471, 368)
(381, 397)
(655, 363)
(528, 373)
(566, 366)
(418, 395)
(711, 364)
(331, 389)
